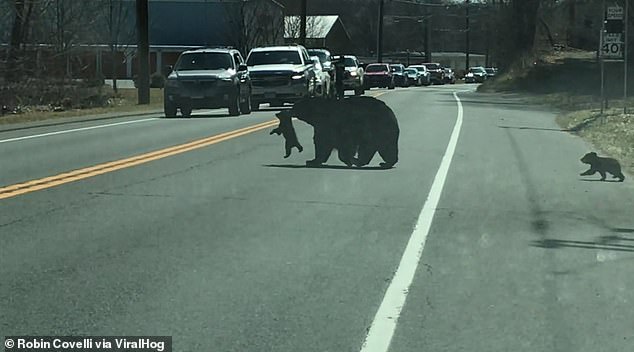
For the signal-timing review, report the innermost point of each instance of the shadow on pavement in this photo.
(601, 244)
(333, 167)
(535, 128)
(599, 180)
(622, 230)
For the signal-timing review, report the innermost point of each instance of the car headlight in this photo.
(227, 79)
(353, 73)
(469, 74)
(298, 76)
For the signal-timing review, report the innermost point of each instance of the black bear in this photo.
(602, 165)
(286, 129)
(359, 126)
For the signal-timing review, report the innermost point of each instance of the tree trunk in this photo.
(13, 72)
(548, 33)
(525, 20)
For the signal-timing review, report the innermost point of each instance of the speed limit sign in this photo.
(612, 50)
(612, 46)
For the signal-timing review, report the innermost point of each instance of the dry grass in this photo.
(125, 102)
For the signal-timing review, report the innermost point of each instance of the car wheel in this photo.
(234, 108)
(392, 85)
(245, 107)
(358, 91)
(186, 111)
(169, 109)
(255, 106)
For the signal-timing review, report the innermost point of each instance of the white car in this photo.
(280, 74)
(322, 84)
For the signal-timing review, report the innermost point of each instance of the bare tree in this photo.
(254, 23)
(113, 15)
(22, 11)
(65, 24)
(292, 26)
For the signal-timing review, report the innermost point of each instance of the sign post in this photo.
(625, 48)
(613, 46)
(602, 73)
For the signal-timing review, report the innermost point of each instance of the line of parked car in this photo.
(219, 77)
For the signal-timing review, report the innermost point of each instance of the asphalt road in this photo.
(231, 247)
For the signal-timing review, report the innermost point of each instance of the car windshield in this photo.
(376, 68)
(477, 70)
(490, 70)
(433, 66)
(204, 61)
(322, 55)
(411, 71)
(349, 62)
(397, 68)
(274, 58)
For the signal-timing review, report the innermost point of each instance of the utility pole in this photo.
(302, 24)
(379, 39)
(467, 36)
(427, 35)
(143, 52)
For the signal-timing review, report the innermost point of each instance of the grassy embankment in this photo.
(125, 101)
(570, 82)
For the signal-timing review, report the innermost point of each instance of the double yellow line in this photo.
(80, 174)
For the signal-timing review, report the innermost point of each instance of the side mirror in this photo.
(167, 70)
(242, 67)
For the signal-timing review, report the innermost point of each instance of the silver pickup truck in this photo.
(280, 74)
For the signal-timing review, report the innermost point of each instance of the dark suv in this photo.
(400, 77)
(208, 78)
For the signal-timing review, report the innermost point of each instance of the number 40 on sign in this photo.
(612, 46)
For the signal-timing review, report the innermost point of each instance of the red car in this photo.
(379, 75)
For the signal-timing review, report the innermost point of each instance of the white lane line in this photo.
(384, 323)
(74, 130)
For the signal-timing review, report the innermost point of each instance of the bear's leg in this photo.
(617, 174)
(366, 153)
(322, 152)
(590, 171)
(347, 151)
(602, 175)
(389, 153)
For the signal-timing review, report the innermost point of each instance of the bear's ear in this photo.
(592, 153)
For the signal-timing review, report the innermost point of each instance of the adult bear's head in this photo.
(309, 110)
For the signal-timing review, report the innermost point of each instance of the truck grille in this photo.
(197, 85)
(271, 81)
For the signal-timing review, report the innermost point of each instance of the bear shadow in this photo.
(325, 166)
(599, 180)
